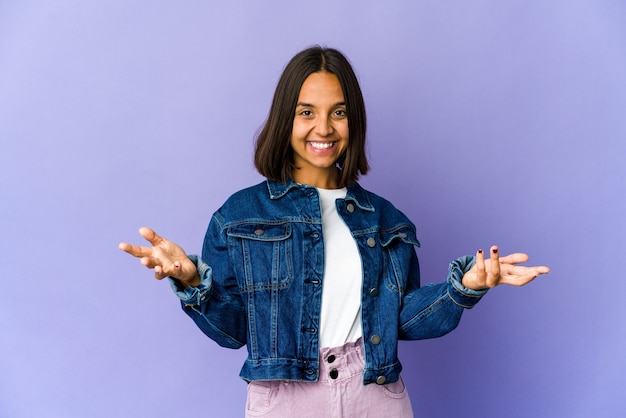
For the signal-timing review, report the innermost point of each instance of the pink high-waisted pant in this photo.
(339, 392)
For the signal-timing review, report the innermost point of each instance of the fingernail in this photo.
(495, 250)
(480, 251)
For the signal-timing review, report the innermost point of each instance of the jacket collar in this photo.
(356, 193)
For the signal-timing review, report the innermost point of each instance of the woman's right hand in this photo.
(165, 257)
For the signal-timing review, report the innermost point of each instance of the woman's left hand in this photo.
(497, 270)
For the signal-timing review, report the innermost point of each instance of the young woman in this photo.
(315, 275)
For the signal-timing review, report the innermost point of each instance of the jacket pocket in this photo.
(398, 244)
(262, 254)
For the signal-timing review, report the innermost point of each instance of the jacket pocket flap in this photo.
(261, 231)
(402, 232)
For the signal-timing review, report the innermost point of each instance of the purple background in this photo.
(490, 122)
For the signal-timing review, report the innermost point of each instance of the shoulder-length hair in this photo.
(273, 155)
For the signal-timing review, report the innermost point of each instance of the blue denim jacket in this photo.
(262, 274)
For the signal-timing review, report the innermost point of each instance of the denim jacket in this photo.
(262, 270)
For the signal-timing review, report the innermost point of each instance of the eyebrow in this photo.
(302, 104)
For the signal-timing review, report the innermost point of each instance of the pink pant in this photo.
(338, 393)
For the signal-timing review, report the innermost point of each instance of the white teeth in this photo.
(322, 145)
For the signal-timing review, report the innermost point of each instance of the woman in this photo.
(315, 275)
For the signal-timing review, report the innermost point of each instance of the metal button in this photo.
(371, 242)
(373, 291)
(402, 235)
(375, 339)
(350, 207)
(258, 231)
(331, 358)
(380, 380)
(334, 374)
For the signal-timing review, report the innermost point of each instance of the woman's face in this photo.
(320, 130)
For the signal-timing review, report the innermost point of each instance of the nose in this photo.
(324, 126)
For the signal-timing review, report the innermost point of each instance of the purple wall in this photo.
(490, 122)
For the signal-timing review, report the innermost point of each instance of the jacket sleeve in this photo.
(435, 309)
(215, 305)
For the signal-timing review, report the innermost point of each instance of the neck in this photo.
(326, 179)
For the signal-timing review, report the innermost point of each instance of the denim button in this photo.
(375, 339)
(402, 235)
(331, 358)
(371, 242)
(350, 207)
(334, 374)
(373, 291)
(380, 380)
(315, 235)
(258, 231)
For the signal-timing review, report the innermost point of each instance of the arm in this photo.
(434, 310)
(217, 311)
(216, 306)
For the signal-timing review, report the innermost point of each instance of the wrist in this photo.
(193, 282)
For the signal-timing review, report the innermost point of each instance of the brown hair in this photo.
(273, 156)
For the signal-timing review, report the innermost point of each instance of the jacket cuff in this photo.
(194, 295)
(460, 294)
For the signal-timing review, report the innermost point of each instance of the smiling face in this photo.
(320, 131)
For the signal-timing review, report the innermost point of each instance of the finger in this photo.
(543, 269)
(150, 235)
(160, 270)
(495, 257)
(159, 274)
(493, 275)
(135, 250)
(175, 271)
(151, 262)
(514, 258)
(536, 270)
(520, 275)
(480, 264)
(520, 279)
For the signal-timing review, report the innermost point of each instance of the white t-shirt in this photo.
(340, 321)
